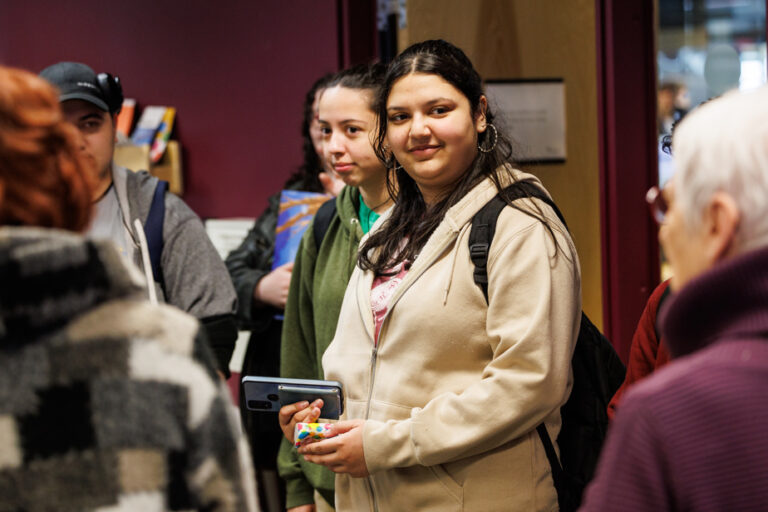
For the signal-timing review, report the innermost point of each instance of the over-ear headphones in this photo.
(112, 90)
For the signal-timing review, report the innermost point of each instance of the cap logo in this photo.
(86, 84)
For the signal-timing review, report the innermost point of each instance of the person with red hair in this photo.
(45, 180)
(106, 400)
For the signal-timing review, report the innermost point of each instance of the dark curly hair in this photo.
(306, 176)
(45, 180)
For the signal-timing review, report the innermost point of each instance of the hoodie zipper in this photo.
(375, 351)
(374, 356)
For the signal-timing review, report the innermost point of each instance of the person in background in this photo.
(108, 402)
(262, 292)
(443, 389)
(320, 273)
(648, 351)
(692, 435)
(192, 276)
(673, 102)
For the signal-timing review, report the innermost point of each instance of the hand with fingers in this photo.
(342, 453)
(331, 182)
(273, 288)
(299, 412)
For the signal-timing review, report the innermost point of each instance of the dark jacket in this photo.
(194, 278)
(251, 261)
(247, 264)
(692, 436)
(106, 401)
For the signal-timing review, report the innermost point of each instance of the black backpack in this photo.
(322, 221)
(597, 370)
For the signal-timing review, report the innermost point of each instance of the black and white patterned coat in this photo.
(107, 403)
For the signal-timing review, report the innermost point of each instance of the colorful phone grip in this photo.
(305, 433)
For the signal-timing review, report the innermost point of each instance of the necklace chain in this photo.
(373, 208)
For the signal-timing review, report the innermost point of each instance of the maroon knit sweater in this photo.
(694, 435)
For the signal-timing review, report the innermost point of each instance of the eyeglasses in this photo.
(666, 144)
(657, 204)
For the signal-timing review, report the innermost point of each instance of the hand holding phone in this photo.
(271, 393)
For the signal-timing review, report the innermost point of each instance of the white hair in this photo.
(723, 146)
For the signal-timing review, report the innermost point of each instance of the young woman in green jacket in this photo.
(320, 273)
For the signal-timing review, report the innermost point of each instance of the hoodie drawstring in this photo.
(145, 259)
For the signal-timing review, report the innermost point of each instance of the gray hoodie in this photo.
(194, 278)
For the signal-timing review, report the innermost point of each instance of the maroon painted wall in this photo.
(237, 72)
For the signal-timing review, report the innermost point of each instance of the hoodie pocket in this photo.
(442, 476)
(417, 488)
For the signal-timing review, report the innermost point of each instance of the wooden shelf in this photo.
(169, 168)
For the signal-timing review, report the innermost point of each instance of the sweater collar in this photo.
(729, 301)
(50, 276)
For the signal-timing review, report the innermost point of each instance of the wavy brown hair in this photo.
(45, 180)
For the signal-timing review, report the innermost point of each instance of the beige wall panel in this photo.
(508, 39)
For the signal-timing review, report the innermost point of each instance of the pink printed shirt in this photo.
(381, 293)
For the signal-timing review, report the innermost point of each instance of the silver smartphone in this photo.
(269, 394)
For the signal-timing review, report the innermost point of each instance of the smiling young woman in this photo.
(443, 389)
(433, 131)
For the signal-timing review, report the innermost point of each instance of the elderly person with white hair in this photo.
(694, 435)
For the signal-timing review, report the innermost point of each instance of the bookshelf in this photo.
(169, 168)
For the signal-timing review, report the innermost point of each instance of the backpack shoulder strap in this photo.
(153, 229)
(480, 237)
(554, 464)
(527, 188)
(322, 220)
(484, 226)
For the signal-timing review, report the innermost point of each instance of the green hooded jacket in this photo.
(318, 283)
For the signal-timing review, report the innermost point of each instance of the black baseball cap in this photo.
(76, 81)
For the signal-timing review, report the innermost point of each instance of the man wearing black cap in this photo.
(170, 243)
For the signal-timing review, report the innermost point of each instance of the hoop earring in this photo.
(495, 138)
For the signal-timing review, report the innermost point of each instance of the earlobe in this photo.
(724, 218)
(481, 123)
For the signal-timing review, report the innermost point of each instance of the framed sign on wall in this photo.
(532, 112)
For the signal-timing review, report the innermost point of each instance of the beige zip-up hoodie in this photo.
(455, 388)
